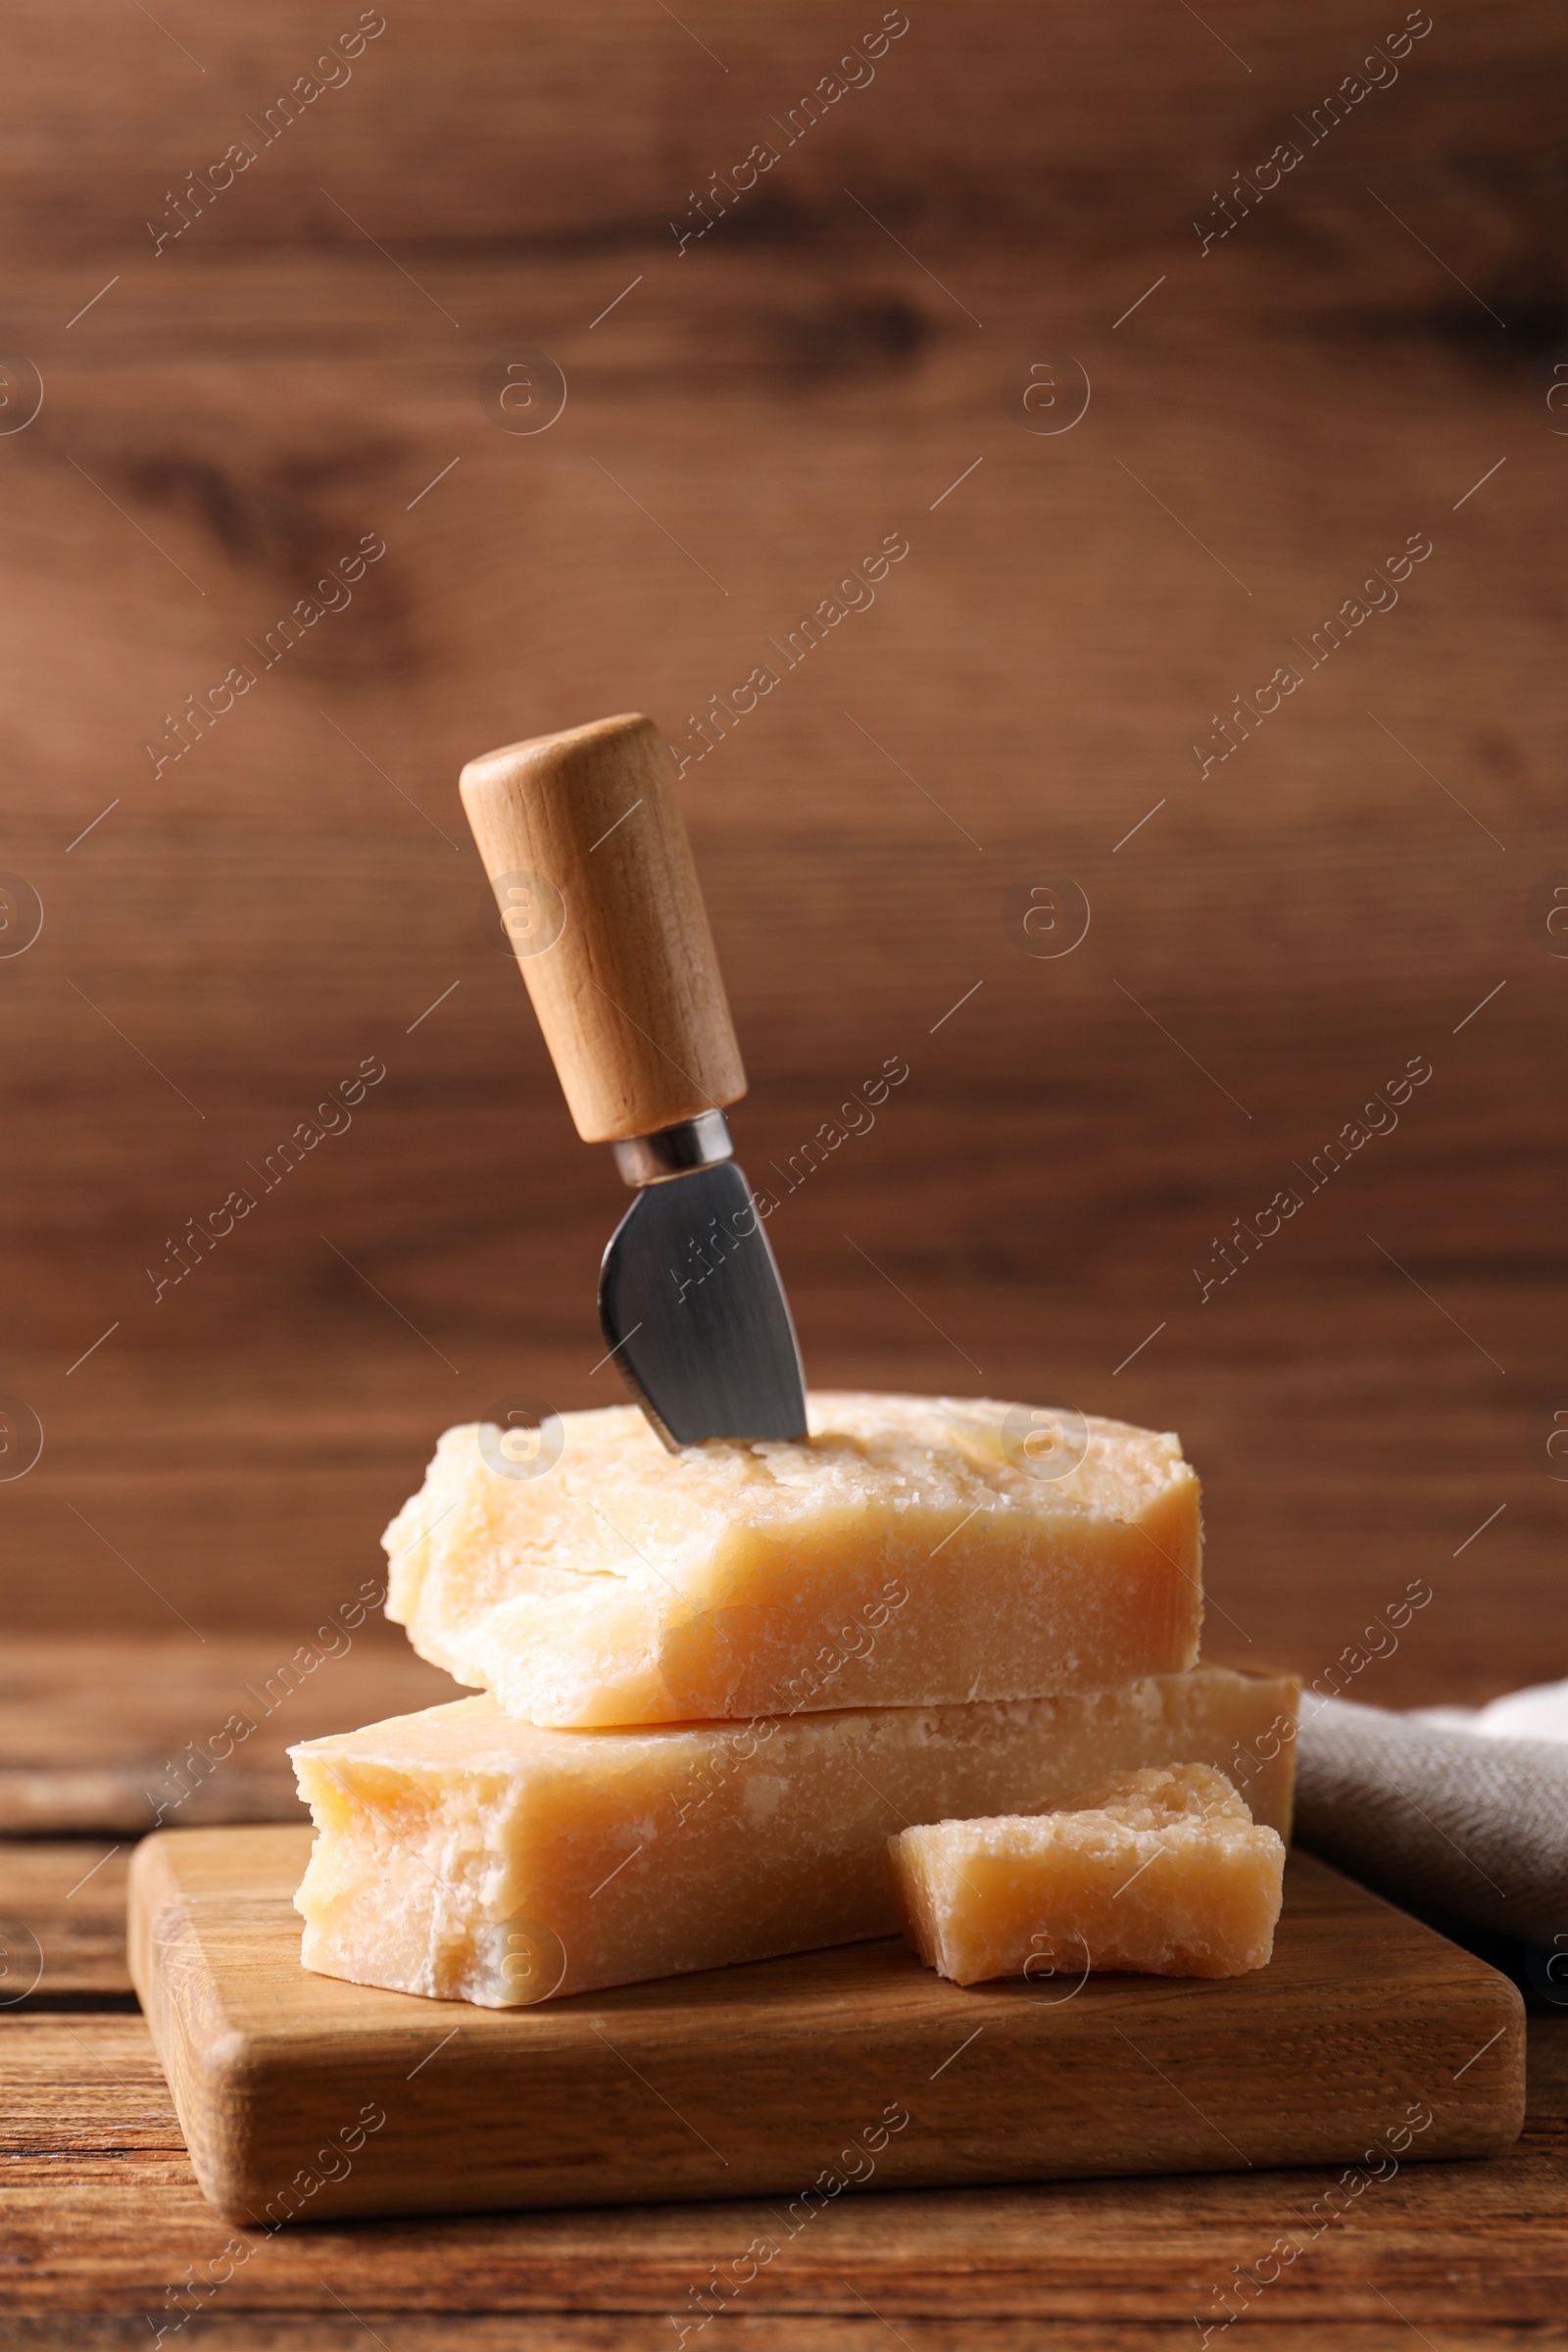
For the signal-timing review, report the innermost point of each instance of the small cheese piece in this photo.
(1163, 1873)
(464, 1854)
(912, 1552)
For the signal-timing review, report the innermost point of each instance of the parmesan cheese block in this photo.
(1158, 1872)
(467, 1855)
(912, 1552)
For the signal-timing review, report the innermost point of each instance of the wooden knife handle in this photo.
(583, 839)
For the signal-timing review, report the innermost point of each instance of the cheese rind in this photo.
(908, 1553)
(1162, 1873)
(464, 1854)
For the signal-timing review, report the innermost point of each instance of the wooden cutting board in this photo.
(1369, 2041)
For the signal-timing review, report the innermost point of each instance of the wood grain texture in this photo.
(279, 904)
(1049, 1175)
(63, 1921)
(583, 839)
(1055, 1166)
(854, 2331)
(128, 1734)
(104, 2216)
(551, 143)
(294, 2092)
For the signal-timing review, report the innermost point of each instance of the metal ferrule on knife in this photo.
(699, 1142)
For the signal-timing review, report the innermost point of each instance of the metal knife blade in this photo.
(694, 1312)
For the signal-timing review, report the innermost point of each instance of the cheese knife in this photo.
(583, 839)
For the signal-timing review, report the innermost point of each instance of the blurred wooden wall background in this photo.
(1368, 357)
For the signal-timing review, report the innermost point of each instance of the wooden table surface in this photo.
(1365, 359)
(105, 2229)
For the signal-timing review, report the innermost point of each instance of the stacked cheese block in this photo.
(715, 1683)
